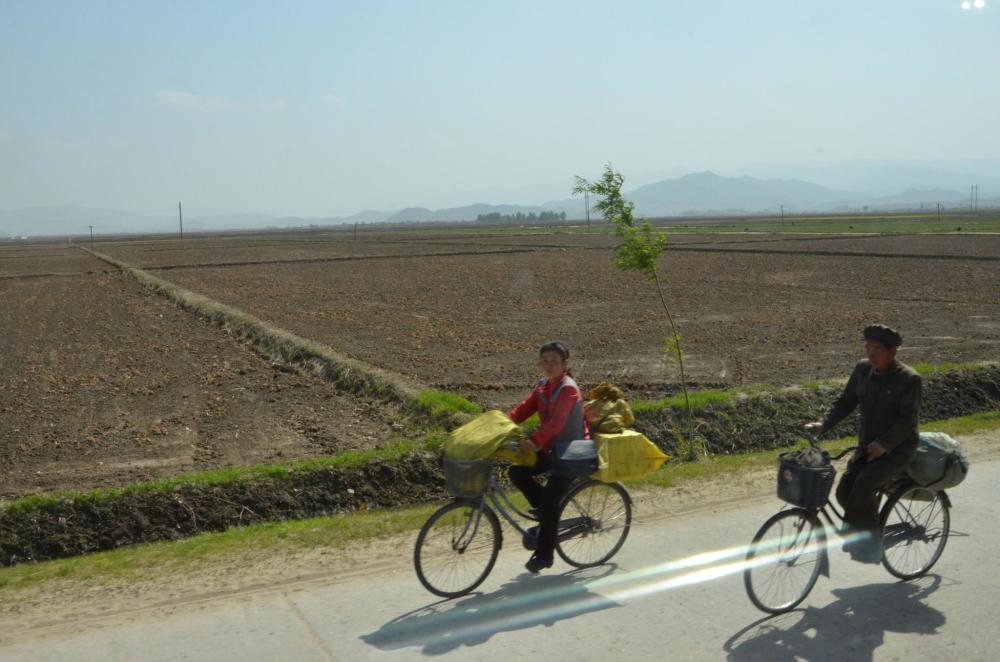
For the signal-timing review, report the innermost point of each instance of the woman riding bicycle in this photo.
(559, 404)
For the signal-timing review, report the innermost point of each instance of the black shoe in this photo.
(536, 564)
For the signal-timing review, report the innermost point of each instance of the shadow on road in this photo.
(851, 628)
(524, 602)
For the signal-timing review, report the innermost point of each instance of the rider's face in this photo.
(880, 356)
(552, 364)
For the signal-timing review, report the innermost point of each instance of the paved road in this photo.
(675, 593)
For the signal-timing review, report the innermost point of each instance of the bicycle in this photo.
(789, 552)
(459, 544)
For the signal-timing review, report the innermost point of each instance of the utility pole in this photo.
(91, 237)
(180, 219)
(972, 190)
(355, 232)
(586, 197)
(782, 214)
(939, 212)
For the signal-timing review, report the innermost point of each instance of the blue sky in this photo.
(321, 108)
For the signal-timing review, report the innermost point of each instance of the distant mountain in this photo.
(707, 191)
(873, 177)
(466, 213)
(915, 196)
(412, 215)
(366, 216)
(698, 193)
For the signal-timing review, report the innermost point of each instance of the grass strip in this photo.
(395, 451)
(340, 531)
(702, 400)
(277, 344)
(715, 466)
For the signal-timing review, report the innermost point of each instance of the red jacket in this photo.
(554, 415)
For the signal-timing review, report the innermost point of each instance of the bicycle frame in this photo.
(500, 502)
(503, 506)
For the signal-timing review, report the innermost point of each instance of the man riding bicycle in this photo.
(887, 394)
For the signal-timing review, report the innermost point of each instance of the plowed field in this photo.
(751, 308)
(103, 383)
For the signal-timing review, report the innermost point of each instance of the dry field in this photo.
(751, 308)
(104, 383)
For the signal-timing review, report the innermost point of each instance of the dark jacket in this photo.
(889, 405)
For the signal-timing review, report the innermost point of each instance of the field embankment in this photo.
(55, 526)
(278, 344)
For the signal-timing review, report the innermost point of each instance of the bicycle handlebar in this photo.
(814, 442)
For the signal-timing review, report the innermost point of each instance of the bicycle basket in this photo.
(466, 479)
(805, 487)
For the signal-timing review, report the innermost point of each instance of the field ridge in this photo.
(276, 344)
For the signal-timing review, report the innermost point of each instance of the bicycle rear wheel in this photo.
(784, 560)
(593, 523)
(915, 527)
(456, 548)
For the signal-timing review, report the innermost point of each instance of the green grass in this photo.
(989, 420)
(818, 384)
(335, 533)
(702, 399)
(716, 466)
(674, 473)
(937, 368)
(721, 398)
(395, 450)
(698, 399)
(441, 403)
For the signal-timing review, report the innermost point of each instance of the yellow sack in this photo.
(626, 455)
(515, 456)
(483, 437)
(607, 410)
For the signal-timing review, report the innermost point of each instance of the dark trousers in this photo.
(546, 499)
(857, 492)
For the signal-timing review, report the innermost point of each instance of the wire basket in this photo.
(467, 480)
(805, 487)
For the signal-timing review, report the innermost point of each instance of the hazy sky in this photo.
(329, 107)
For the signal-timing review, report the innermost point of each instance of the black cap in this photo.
(883, 334)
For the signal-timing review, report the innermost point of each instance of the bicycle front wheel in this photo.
(593, 523)
(915, 527)
(784, 560)
(456, 548)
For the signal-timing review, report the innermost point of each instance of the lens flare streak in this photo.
(463, 623)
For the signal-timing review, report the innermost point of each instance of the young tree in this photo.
(639, 250)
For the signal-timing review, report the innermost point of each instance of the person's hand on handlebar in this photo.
(528, 447)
